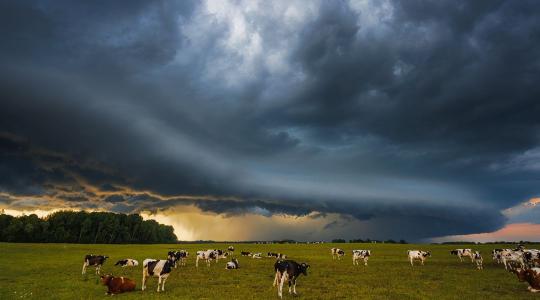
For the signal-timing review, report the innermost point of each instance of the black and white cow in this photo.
(497, 255)
(178, 256)
(360, 254)
(245, 253)
(233, 264)
(160, 268)
(221, 254)
(256, 255)
(207, 256)
(531, 257)
(512, 259)
(462, 253)
(418, 255)
(477, 258)
(277, 255)
(231, 249)
(128, 262)
(288, 270)
(337, 253)
(91, 260)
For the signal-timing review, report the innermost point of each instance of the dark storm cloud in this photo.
(412, 114)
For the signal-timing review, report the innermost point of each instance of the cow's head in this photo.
(454, 252)
(303, 268)
(426, 254)
(368, 252)
(105, 279)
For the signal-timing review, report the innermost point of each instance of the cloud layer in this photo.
(407, 119)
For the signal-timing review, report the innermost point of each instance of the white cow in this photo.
(156, 268)
(360, 254)
(337, 253)
(462, 253)
(207, 256)
(233, 264)
(418, 255)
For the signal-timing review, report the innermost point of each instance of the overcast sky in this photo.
(284, 119)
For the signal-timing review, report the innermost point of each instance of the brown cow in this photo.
(117, 285)
(532, 276)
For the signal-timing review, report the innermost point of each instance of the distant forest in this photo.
(83, 227)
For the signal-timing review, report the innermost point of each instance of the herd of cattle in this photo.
(525, 263)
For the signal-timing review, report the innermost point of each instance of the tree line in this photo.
(84, 227)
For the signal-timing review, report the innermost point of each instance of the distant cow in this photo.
(233, 264)
(245, 253)
(337, 253)
(497, 255)
(256, 255)
(531, 276)
(93, 261)
(418, 255)
(160, 268)
(477, 258)
(178, 256)
(221, 254)
(462, 253)
(117, 285)
(207, 256)
(231, 249)
(277, 255)
(128, 262)
(360, 254)
(512, 259)
(288, 270)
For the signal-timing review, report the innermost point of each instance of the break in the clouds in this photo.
(381, 119)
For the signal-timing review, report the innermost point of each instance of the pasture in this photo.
(53, 271)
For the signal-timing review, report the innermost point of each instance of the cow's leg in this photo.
(163, 284)
(365, 261)
(290, 286)
(294, 286)
(85, 264)
(412, 265)
(158, 283)
(143, 280)
(197, 262)
(284, 277)
(98, 267)
(277, 278)
(422, 261)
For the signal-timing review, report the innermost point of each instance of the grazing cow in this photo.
(233, 264)
(207, 256)
(462, 253)
(117, 285)
(288, 270)
(159, 268)
(245, 253)
(360, 254)
(256, 255)
(532, 276)
(231, 249)
(128, 262)
(512, 259)
(418, 255)
(93, 261)
(178, 256)
(477, 258)
(337, 253)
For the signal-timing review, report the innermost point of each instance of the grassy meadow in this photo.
(53, 271)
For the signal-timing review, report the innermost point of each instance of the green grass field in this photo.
(53, 271)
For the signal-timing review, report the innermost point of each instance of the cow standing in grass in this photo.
(178, 256)
(360, 255)
(288, 270)
(418, 255)
(207, 256)
(93, 261)
(337, 253)
(117, 285)
(157, 268)
(460, 253)
(477, 258)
